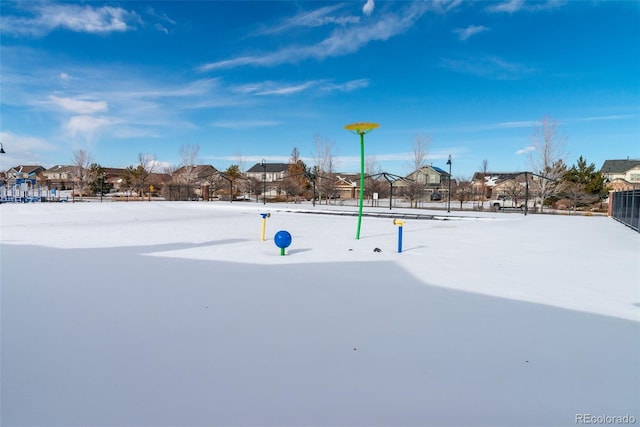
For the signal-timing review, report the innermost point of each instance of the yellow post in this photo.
(264, 225)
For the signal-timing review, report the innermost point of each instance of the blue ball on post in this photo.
(282, 239)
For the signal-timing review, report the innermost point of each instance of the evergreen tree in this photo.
(98, 180)
(583, 183)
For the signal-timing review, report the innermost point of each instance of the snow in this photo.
(177, 314)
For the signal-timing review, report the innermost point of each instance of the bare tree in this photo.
(295, 183)
(240, 162)
(514, 189)
(147, 165)
(81, 162)
(373, 181)
(324, 166)
(419, 152)
(189, 157)
(547, 160)
(189, 154)
(484, 169)
(415, 188)
(169, 190)
(464, 190)
(254, 185)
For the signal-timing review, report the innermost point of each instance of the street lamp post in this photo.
(102, 185)
(361, 129)
(311, 177)
(449, 193)
(264, 181)
(230, 186)
(4, 182)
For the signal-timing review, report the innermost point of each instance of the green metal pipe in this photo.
(361, 183)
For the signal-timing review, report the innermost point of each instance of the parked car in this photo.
(436, 196)
(505, 202)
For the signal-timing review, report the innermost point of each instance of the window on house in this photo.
(634, 177)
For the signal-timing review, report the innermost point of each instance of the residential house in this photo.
(27, 174)
(58, 177)
(272, 171)
(195, 175)
(61, 177)
(491, 185)
(346, 186)
(270, 174)
(621, 174)
(197, 179)
(432, 178)
(113, 176)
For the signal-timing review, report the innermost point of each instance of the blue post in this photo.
(399, 224)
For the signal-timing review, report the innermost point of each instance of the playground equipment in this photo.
(264, 224)
(282, 239)
(400, 224)
(361, 129)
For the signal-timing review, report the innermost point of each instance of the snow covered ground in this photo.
(176, 314)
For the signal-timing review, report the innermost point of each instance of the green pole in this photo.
(361, 183)
(361, 129)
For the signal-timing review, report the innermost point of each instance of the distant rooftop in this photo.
(619, 166)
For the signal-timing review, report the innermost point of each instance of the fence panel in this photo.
(626, 208)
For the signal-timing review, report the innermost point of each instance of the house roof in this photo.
(270, 167)
(350, 180)
(114, 171)
(439, 170)
(496, 176)
(347, 176)
(433, 168)
(59, 169)
(618, 166)
(198, 170)
(111, 172)
(27, 169)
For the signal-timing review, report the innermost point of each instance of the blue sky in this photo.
(252, 80)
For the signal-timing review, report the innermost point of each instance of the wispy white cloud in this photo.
(19, 143)
(79, 106)
(310, 19)
(509, 6)
(276, 88)
(513, 6)
(526, 150)
(514, 125)
(340, 42)
(471, 30)
(85, 125)
(349, 86)
(491, 67)
(272, 88)
(443, 6)
(47, 17)
(602, 118)
(368, 7)
(24, 149)
(244, 124)
(162, 19)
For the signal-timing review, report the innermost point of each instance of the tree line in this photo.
(581, 184)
